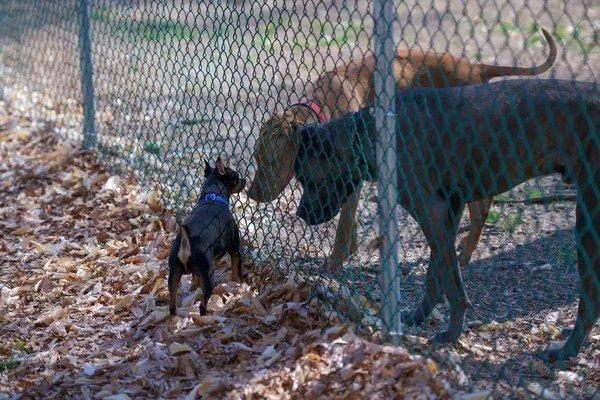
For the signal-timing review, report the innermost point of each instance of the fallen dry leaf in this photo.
(179, 348)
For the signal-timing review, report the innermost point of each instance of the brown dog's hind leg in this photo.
(478, 213)
(345, 237)
(588, 261)
(174, 280)
(236, 266)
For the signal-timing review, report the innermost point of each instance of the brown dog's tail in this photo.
(493, 71)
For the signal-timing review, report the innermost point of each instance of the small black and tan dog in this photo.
(208, 234)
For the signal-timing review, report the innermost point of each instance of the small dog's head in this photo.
(273, 153)
(326, 170)
(225, 175)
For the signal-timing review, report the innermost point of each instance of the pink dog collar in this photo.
(315, 108)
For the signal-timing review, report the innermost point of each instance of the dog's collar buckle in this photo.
(214, 197)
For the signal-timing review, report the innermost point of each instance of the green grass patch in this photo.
(493, 217)
(502, 198)
(158, 31)
(507, 28)
(150, 30)
(101, 14)
(8, 365)
(511, 223)
(20, 345)
(567, 255)
(270, 38)
(532, 192)
(152, 147)
(561, 33)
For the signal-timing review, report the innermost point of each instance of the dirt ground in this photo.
(170, 96)
(83, 301)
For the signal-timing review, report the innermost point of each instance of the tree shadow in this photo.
(536, 277)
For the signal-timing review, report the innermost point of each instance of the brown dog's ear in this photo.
(185, 250)
(207, 169)
(221, 165)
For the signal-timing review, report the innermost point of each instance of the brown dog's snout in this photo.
(259, 191)
(254, 191)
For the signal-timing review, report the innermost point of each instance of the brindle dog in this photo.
(349, 87)
(460, 145)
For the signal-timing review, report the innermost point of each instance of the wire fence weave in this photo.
(491, 178)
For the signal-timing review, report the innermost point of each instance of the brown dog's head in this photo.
(274, 154)
(329, 167)
(225, 175)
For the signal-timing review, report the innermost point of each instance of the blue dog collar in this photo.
(217, 198)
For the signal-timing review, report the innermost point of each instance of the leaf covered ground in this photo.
(83, 310)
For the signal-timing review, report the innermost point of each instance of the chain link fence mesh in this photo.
(180, 82)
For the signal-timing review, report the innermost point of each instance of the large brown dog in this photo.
(459, 145)
(347, 88)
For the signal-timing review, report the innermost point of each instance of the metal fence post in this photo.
(385, 119)
(87, 82)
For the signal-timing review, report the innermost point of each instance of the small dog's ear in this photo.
(185, 250)
(207, 169)
(221, 165)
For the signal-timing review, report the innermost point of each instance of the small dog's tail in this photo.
(493, 71)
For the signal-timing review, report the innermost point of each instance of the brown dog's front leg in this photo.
(174, 280)
(440, 231)
(478, 213)
(345, 237)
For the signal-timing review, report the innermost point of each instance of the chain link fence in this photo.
(175, 83)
